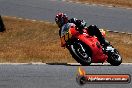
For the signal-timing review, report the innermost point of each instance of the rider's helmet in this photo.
(61, 19)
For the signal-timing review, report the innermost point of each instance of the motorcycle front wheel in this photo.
(115, 58)
(80, 53)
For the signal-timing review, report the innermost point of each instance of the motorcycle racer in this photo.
(92, 30)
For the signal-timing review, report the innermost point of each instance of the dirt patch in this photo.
(27, 41)
(115, 3)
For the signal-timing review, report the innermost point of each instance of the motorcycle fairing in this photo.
(93, 43)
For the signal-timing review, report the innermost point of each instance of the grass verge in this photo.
(27, 41)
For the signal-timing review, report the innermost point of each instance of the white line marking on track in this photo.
(99, 63)
(34, 20)
(41, 21)
(40, 63)
(20, 18)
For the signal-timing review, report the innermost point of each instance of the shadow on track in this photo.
(67, 64)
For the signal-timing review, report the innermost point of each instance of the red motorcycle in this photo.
(86, 49)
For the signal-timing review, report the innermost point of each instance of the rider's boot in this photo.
(104, 44)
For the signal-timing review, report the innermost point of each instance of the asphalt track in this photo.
(116, 19)
(56, 76)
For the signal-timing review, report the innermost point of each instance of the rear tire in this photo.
(80, 53)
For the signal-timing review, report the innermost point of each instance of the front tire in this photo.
(115, 58)
(80, 53)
